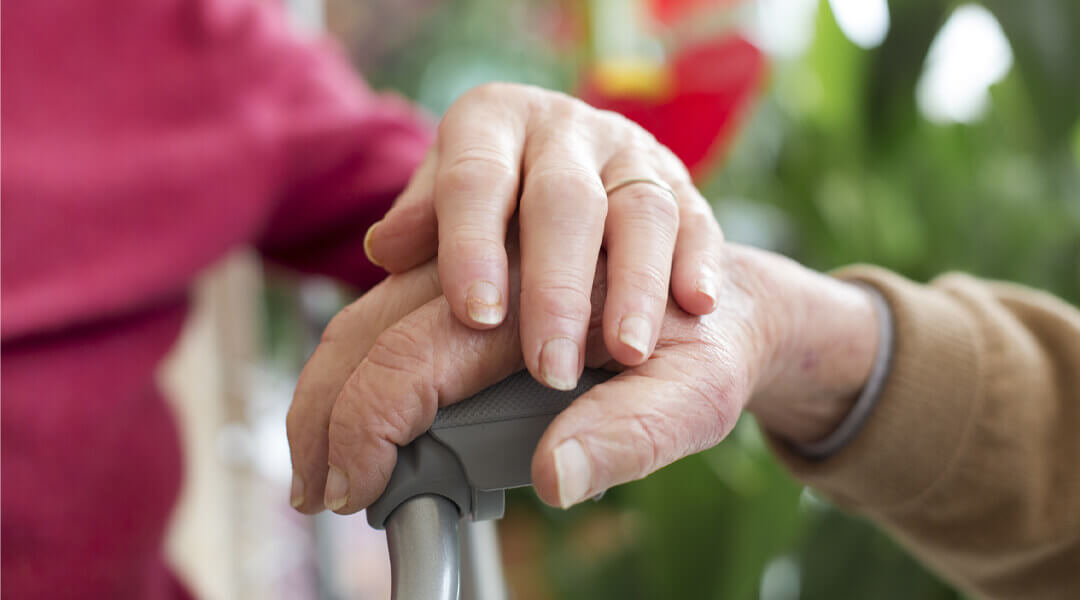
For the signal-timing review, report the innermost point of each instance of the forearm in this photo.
(970, 454)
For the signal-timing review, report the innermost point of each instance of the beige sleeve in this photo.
(971, 458)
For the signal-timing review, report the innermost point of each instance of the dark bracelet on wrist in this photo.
(868, 397)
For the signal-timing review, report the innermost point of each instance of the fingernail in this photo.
(296, 497)
(706, 287)
(337, 489)
(635, 331)
(484, 303)
(367, 244)
(559, 363)
(572, 472)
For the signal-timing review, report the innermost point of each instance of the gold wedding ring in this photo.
(618, 185)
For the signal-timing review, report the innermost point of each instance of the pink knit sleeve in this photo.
(347, 153)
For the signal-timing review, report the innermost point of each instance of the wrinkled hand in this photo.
(505, 149)
(798, 343)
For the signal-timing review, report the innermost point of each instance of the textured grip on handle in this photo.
(516, 397)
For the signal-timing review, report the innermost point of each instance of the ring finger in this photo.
(639, 235)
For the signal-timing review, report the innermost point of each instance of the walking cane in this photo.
(449, 484)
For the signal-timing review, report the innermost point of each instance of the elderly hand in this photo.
(578, 179)
(792, 345)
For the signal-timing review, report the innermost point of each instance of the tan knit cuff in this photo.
(925, 410)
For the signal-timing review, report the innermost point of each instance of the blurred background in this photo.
(922, 135)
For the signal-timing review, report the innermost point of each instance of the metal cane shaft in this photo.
(481, 563)
(422, 535)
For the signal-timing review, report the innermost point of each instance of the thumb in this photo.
(632, 425)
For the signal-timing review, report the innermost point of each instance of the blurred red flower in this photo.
(692, 104)
(672, 11)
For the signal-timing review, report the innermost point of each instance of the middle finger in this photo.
(562, 213)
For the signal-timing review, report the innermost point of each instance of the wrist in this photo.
(824, 341)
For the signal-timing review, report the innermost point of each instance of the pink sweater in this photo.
(142, 139)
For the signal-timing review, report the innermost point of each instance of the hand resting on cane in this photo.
(387, 362)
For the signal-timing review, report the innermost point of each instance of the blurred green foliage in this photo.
(839, 147)
(835, 165)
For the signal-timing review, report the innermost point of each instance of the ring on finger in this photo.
(618, 185)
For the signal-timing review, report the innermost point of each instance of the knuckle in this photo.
(650, 206)
(632, 134)
(471, 236)
(574, 184)
(410, 217)
(294, 422)
(651, 443)
(475, 244)
(563, 108)
(387, 401)
(477, 166)
(568, 177)
(648, 442)
(668, 162)
(399, 351)
(720, 398)
(560, 301)
(349, 424)
(700, 219)
(483, 94)
(304, 431)
(336, 328)
(488, 92)
(718, 403)
(645, 278)
(642, 143)
(570, 111)
(706, 260)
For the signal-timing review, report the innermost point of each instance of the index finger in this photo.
(344, 344)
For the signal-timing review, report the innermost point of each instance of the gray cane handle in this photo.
(479, 447)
